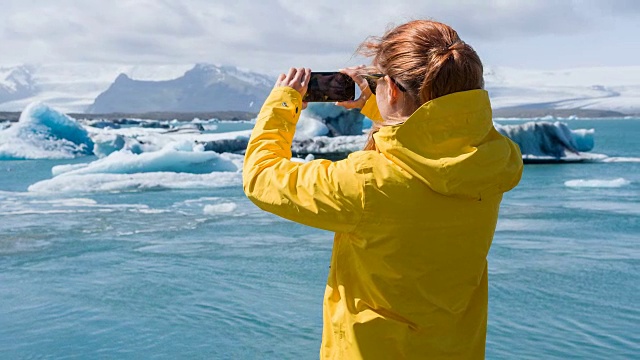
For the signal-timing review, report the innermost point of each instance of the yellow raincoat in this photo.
(414, 222)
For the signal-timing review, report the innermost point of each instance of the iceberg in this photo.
(323, 129)
(44, 133)
(337, 120)
(309, 127)
(180, 157)
(178, 165)
(108, 143)
(548, 140)
(105, 144)
(93, 183)
(332, 148)
(227, 145)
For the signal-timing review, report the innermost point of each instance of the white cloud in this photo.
(274, 34)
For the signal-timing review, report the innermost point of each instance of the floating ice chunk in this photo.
(583, 139)
(309, 157)
(592, 183)
(338, 120)
(309, 126)
(581, 157)
(621, 159)
(226, 145)
(92, 183)
(326, 145)
(548, 139)
(199, 147)
(227, 207)
(105, 144)
(139, 140)
(63, 169)
(180, 157)
(44, 133)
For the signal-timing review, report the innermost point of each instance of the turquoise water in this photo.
(204, 274)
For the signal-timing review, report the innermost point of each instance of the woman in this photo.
(414, 215)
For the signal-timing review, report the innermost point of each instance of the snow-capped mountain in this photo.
(16, 83)
(204, 88)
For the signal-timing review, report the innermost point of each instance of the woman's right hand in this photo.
(365, 93)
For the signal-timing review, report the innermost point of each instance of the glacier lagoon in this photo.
(149, 249)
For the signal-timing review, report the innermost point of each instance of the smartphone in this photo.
(330, 87)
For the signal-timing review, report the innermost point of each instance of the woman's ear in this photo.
(392, 90)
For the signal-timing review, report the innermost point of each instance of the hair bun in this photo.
(457, 45)
(428, 58)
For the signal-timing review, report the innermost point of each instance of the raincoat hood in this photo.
(450, 144)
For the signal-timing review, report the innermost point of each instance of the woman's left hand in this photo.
(298, 79)
(355, 73)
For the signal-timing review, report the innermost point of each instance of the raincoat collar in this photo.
(463, 115)
(450, 144)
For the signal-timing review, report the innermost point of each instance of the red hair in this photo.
(427, 58)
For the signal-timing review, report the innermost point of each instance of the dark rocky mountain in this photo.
(203, 88)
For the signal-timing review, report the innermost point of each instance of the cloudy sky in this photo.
(271, 35)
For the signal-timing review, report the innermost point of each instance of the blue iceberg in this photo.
(338, 120)
(545, 139)
(44, 133)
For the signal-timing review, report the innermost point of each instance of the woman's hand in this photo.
(298, 79)
(365, 93)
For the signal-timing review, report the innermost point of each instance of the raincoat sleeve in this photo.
(319, 193)
(370, 109)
